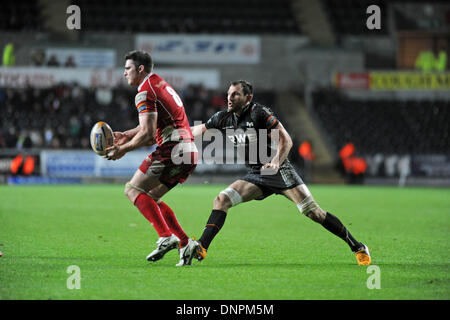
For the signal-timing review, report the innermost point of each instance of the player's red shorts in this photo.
(170, 163)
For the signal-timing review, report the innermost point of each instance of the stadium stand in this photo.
(418, 126)
(20, 16)
(198, 16)
(348, 16)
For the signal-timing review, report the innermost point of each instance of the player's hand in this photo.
(270, 168)
(120, 138)
(114, 152)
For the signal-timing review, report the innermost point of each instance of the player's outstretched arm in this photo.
(198, 130)
(145, 135)
(121, 138)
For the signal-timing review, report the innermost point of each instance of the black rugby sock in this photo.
(213, 226)
(335, 226)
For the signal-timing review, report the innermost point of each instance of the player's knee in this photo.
(311, 209)
(221, 202)
(127, 189)
(130, 192)
(227, 198)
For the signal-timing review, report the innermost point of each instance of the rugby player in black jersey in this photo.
(246, 124)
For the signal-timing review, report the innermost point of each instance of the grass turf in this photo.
(266, 250)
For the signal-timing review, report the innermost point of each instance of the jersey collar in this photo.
(143, 81)
(246, 108)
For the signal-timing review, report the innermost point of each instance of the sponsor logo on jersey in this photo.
(160, 83)
(243, 138)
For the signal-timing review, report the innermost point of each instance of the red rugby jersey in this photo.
(155, 95)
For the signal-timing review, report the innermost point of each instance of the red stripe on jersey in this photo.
(274, 123)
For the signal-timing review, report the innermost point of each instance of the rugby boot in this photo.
(187, 253)
(363, 256)
(200, 252)
(164, 245)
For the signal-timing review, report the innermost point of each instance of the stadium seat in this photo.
(198, 16)
(348, 17)
(385, 126)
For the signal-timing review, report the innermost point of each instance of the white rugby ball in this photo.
(101, 137)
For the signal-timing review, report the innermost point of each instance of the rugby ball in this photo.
(101, 137)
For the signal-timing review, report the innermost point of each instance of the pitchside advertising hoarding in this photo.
(393, 81)
(75, 166)
(201, 49)
(87, 164)
(19, 162)
(82, 57)
(20, 77)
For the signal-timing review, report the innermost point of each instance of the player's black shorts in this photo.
(286, 178)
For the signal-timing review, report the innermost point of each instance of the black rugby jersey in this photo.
(248, 132)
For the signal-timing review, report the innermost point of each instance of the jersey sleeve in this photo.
(213, 122)
(265, 117)
(145, 103)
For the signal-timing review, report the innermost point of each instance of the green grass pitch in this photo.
(266, 250)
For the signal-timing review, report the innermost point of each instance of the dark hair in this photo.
(247, 88)
(141, 58)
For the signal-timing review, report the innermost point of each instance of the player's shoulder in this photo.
(216, 119)
(263, 116)
(220, 114)
(147, 90)
(258, 109)
(151, 83)
(156, 81)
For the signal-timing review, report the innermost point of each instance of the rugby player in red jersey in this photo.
(162, 120)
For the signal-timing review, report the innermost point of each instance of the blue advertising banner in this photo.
(85, 163)
(201, 49)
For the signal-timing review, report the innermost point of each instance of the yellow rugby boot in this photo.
(200, 251)
(363, 256)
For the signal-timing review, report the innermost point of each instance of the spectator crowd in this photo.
(62, 116)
